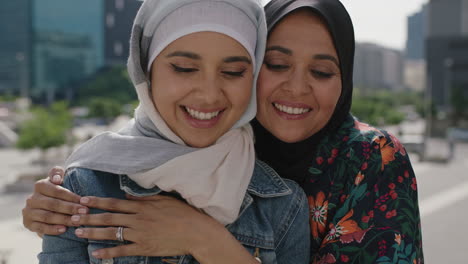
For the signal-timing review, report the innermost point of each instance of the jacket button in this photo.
(108, 261)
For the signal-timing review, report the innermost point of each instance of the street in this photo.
(443, 197)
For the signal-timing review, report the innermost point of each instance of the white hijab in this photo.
(215, 178)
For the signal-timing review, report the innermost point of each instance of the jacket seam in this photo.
(292, 215)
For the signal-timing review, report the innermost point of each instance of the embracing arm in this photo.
(65, 248)
(48, 209)
(161, 226)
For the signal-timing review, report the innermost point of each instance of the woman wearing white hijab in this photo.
(194, 65)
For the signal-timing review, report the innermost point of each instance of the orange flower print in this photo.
(344, 227)
(388, 152)
(398, 238)
(398, 146)
(365, 127)
(359, 178)
(318, 214)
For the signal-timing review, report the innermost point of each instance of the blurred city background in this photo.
(63, 79)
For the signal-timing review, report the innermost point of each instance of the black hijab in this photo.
(291, 160)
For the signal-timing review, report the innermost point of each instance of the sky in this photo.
(382, 22)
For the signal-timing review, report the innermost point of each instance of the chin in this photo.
(197, 143)
(290, 135)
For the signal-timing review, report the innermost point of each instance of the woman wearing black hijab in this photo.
(359, 180)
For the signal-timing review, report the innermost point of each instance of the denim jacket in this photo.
(273, 222)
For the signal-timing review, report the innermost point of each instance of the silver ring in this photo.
(119, 234)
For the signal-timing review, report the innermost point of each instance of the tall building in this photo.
(377, 67)
(119, 16)
(15, 46)
(447, 52)
(417, 33)
(68, 44)
(54, 44)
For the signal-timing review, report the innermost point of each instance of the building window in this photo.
(110, 20)
(119, 4)
(118, 48)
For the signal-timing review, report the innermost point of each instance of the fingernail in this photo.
(56, 178)
(79, 232)
(84, 200)
(95, 254)
(61, 229)
(75, 218)
(82, 211)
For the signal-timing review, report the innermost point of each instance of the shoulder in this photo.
(282, 200)
(87, 182)
(384, 156)
(267, 183)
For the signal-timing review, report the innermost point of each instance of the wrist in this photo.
(216, 244)
(204, 236)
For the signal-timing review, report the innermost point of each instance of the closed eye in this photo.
(276, 67)
(321, 74)
(182, 69)
(234, 73)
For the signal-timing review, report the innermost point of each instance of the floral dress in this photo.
(363, 199)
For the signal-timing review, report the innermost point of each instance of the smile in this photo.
(291, 110)
(203, 116)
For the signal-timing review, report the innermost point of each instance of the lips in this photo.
(202, 118)
(292, 110)
(201, 115)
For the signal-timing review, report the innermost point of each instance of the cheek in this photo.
(240, 93)
(265, 86)
(328, 96)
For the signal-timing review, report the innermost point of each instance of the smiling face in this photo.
(201, 85)
(300, 81)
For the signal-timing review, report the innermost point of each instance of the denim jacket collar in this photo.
(265, 183)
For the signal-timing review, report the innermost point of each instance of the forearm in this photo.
(218, 245)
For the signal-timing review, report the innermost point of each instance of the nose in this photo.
(210, 89)
(298, 82)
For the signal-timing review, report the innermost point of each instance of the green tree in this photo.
(105, 108)
(47, 128)
(109, 82)
(380, 108)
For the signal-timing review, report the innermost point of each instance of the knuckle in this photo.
(107, 218)
(45, 217)
(54, 204)
(30, 201)
(111, 204)
(38, 185)
(39, 228)
(105, 254)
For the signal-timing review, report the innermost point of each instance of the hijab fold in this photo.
(214, 179)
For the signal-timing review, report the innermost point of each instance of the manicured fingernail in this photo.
(95, 254)
(75, 218)
(61, 229)
(84, 200)
(79, 232)
(82, 211)
(56, 178)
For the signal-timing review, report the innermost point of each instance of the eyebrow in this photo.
(237, 59)
(290, 52)
(186, 54)
(327, 57)
(280, 49)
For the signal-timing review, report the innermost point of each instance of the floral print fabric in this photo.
(363, 199)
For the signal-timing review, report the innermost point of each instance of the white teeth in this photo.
(200, 115)
(291, 110)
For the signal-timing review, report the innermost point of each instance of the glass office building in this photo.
(68, 44)
(15, 46)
